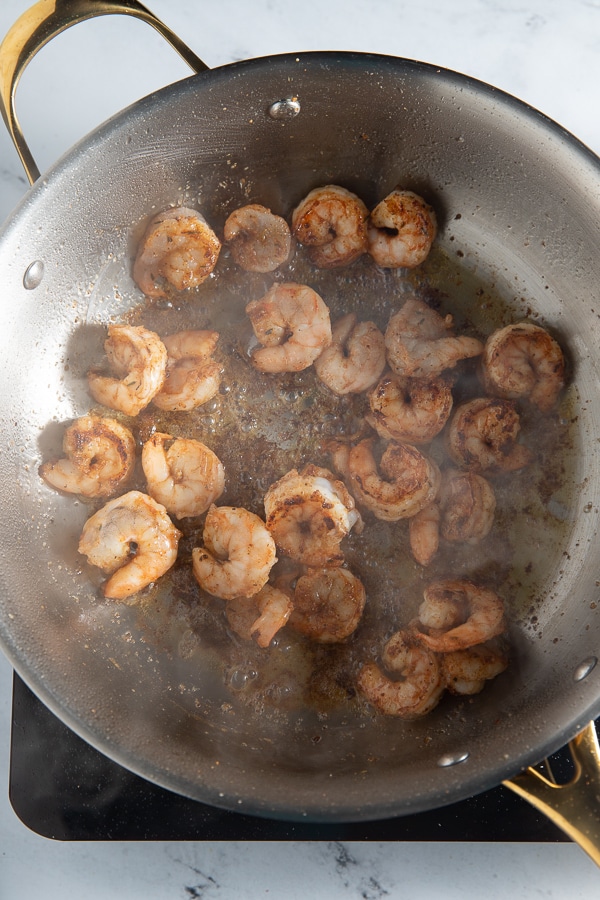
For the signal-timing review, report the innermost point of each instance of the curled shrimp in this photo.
(292, 323)
(237, 556)
(331, 221)
(133, 540)
(328, 604)
(465, 672)
(192, 376)
(355, 358)
(482, 436)
(411, 684)
(410, 409)
(419, 345)
(401, 230)
(186, 477)
(309, 513)
(457, 614)
(179, 249)
(463, 512)
(259, 240)
(260, 617)
(137, 360)
(99, 458)
(404, 482)
(523, 360)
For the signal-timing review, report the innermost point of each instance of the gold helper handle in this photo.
(40, 24)
(575, 806)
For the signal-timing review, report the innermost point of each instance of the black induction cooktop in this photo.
(62, 788)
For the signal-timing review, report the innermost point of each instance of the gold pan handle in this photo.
(40, 24)
(575, 806)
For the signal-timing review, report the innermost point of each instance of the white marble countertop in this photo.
(546, 52)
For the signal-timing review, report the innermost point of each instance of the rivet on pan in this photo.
(284, 109)
(33, 274)
(584, 668)
(452, 759)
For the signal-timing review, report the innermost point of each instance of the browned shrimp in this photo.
(410, 409)
(482, 437)
(523, 360)
(99, 458)
(411, 684)
(401, 230)
(137, 359)
(192, 376)
(466, 671)
(355, 358)
(260, 617)
(178, 249)
(456, 614)
(331, 221)
(328, 604)
(405, 481)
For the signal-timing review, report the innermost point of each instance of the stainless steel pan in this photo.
(519, 206)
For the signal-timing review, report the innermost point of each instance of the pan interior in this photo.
(160, 684)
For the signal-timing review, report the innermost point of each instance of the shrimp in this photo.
(405, 482)
(411, 686)
(237, 556)
(463, 512)
(292, 323)
(331, 221)
(355, 359)
(419, 345)
(523, 360)
(138, 360)
(328, 604)
(192, 377)
(178, 249)
(401, 230)
(259, 240)
(482, 437)
(260, 617)
(456, 614)
(99, 458)
(133, 540)
(186, 478)
(309, 513)
(424, 533)
(466, 671)
(410, 409)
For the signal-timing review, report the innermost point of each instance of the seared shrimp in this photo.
(178, 249)
(401, 230)
(259, 240)
(463, 512)
(410, 409)
(137, 359)
(292, 323)
(482, 436)
(405, 481)
(456, 614)
(192, 377)
(524, 361)
(186, 478)
(309, 513)
(424, 533)
(99, 458)
(133, 540)
(419, 345)
(328, 604)
(260, 617)
(355, 359)
(466, 671)
(331, 221)
(410, 687)
(237, 556)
